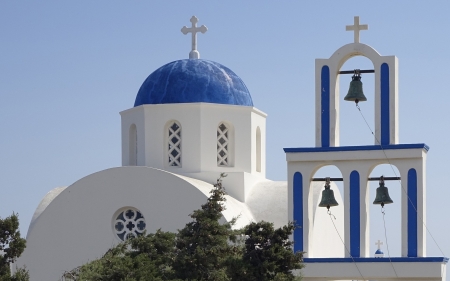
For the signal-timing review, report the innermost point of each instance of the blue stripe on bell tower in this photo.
(412, 213)
(298, 211)
(385, 118)
(355, 224)
(325, 106)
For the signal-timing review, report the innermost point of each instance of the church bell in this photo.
(382, 194)
(355, 92)
(328, 199)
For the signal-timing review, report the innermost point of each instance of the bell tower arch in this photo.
(328, 96)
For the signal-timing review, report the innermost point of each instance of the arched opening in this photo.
(225, 144)
(392, 213)
(258, 149)
(353, 128)
(173, 143)
(327, 231)
(133, 145)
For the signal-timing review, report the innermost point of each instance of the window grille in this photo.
(128, 223)
(223, 145)
(174, 145)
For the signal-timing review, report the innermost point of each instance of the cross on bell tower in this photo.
(356, 28)
(194, 54)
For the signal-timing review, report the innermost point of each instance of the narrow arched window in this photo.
(223, 145)
(258, 149)
(174, 144)
(133, 146)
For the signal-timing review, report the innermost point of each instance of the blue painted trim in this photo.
(385, 105)
(384, 259)
(298, 211)
(355, 214)
(357, 148)
(325, 106)
(412, 213)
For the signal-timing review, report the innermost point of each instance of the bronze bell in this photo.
(328, 199)
(382, 194)
(355, 92)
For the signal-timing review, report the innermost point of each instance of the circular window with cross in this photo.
(128, 223)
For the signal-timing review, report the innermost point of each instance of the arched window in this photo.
(223, 145)
(174, 144)
(258, 149)
(133, 146)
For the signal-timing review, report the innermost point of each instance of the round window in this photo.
(128, 223)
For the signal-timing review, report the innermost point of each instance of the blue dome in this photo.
(193, 80)
(378, 252)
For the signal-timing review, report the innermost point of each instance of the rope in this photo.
(404, 190)
(343, 243)
(387, 244)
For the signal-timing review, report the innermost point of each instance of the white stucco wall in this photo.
(76, 226)
(199, 122)
(48, 198)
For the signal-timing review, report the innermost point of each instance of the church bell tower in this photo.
(356, 164)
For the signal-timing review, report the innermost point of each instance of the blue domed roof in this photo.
(379, 252)
(193, 80)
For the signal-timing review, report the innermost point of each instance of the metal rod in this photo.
(360, 71)
(370, 179)
(324, 179)
(385, 178)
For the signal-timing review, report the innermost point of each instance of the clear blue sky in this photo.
(68, 67)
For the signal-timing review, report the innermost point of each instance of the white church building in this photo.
(194, 119)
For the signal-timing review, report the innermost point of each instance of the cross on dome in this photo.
(356, 28)
(379, 243)
(194, 54)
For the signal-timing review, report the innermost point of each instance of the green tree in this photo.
(11, 247)
(203, 246)
(143, 258)
(204, 249)
(268, 252)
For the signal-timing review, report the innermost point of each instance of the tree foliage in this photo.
(11, 247)
(143, 258)
(204, 249)
(202, 245)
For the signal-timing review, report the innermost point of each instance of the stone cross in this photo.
(194, 54)
(356, 28)
(379, 243)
